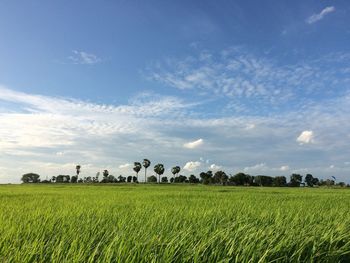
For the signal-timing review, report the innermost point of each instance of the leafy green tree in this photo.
(53, 179)
(62, 178)
(129, 179)
(164, 179)
(315, 181)
(88, 179)
(220, 177)
(263, 180)
(241, 179)
(330, 182)
(295, 180)
(121, 179)
(207, 177)
(137, 168)
(74, 179)
(105, 175)
(30, 178)
(134, 179)
(175, 171)
(309, 180)
(181, 179)
(280, 181)
(111, 179)
(45, 181)
(322, 182)
(146, 163)
(152, 179)
(159, 169)
(193, 179)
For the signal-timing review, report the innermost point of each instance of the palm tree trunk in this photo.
(145, 175)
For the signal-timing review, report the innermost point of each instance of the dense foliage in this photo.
(219, 177)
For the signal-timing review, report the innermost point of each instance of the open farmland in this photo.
(172, 223)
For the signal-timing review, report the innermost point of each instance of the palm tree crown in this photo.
(175, 170)
(78, 169)
(146, 163)
(159, 169)
(137, 168)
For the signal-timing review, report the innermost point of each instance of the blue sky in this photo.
(256, 86)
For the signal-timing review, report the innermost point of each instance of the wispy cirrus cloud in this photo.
(84, 58)
(243, 77)
(317, 17)
(193, 144)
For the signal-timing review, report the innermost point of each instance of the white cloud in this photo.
(125, 165)
(104, 136)
(306, 137)
(82, 57)
(284, 168)
(45, 126)
(215, 167)
(260, 167)
(192, 166)
(194, 144)
(243, 77)
(250, 126)
(317, 17)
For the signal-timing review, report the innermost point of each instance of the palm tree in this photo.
(159, 169)
(105, 173)
(137, 168)
(146, 163)
(175, 170)
(78, 170)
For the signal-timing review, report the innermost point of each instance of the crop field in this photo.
(173, 223)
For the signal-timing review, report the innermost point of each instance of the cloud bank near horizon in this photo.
(49, 135)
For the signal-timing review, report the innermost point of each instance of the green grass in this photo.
(150, 223)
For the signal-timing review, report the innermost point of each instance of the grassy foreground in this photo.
(149, 223)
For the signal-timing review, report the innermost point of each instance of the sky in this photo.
(261, 87)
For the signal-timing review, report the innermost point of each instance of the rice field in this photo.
(173, 223)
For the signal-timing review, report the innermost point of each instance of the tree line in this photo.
(207, 178)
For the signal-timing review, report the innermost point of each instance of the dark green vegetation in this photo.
(207, 178)
(172, 223)
(217, 178)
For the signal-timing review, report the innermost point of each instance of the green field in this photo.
(169, 223)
